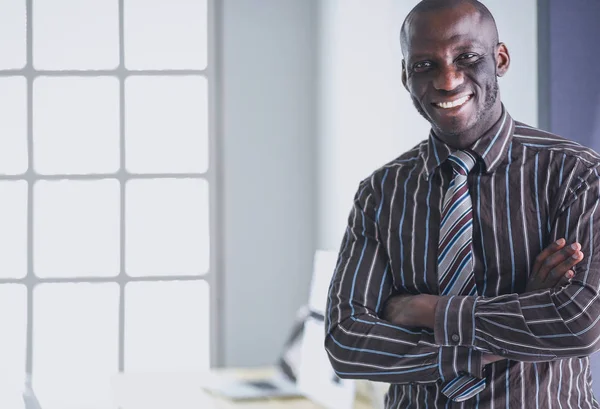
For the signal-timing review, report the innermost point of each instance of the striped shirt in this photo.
(528, 189)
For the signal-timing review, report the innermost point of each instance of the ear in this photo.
(502, 59)
(404, 74)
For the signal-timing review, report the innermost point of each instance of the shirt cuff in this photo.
(458, 361)
(455, 321)
(463, 388)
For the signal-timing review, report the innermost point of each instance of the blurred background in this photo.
(168, 168)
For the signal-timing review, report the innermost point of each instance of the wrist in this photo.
(426, 304)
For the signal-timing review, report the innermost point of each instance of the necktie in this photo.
(455, 257)
(455, 253)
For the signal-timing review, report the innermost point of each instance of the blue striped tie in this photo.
(455, 257)
(455, 254)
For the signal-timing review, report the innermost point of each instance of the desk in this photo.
(287, 403)
(182, 391)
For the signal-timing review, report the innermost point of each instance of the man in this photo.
(469, 272)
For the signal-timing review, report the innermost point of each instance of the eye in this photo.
(467, 57)
(422, 66)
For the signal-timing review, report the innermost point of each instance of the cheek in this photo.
(483, 74)
(416, 87)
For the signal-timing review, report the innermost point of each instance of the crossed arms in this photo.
(364, 339)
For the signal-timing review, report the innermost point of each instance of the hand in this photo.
(553, 265)
(552, 268)
(411, 310)
(396, 309)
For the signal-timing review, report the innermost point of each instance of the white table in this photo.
(181, 391)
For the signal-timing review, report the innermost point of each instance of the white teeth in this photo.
(453, 104)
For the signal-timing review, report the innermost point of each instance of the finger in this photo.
(555, 260)
(565, 279)
(561, 269)
(551, 249)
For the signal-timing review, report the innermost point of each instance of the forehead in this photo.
(444, 31)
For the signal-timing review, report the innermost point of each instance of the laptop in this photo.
(281, 384)
(303, 369)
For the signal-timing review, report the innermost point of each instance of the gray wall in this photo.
(268, 146)
(571, 71)
(574, 70)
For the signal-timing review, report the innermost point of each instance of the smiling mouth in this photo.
(453, 104)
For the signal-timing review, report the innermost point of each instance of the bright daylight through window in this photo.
(106, 185)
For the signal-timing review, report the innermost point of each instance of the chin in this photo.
(454, 134)
(454, 127)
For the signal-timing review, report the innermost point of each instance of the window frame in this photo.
(122, 176)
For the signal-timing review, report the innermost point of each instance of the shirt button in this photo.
(503, 352)
(455, 338)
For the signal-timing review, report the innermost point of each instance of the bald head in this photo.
(452, 61)
(443, 6)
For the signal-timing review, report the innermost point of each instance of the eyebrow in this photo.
(475, 46)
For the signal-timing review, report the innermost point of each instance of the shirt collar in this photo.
(491, 147)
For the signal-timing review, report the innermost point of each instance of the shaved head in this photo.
(451, 63)
(428, 6)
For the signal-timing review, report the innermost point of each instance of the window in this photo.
(107, 201)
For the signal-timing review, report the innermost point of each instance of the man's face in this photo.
(450, 69)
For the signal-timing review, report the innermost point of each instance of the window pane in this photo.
(13, 126)
(76, 125)
(75, 34)
(13, 234)
(166, 227)
(166, 124)
(169, 335)
(165, 34)
(12, 34)
(76, 228)
(13, 321)
(75, 344)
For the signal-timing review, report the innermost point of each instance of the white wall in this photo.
(366, 117)
(267, 164)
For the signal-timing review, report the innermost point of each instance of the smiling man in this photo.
(470, 268)
(462, 103)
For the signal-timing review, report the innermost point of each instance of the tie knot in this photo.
(462, 162)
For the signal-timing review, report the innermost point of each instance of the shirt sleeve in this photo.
(547, 324)
(361, 345)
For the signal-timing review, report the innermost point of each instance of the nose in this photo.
(448, 78)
